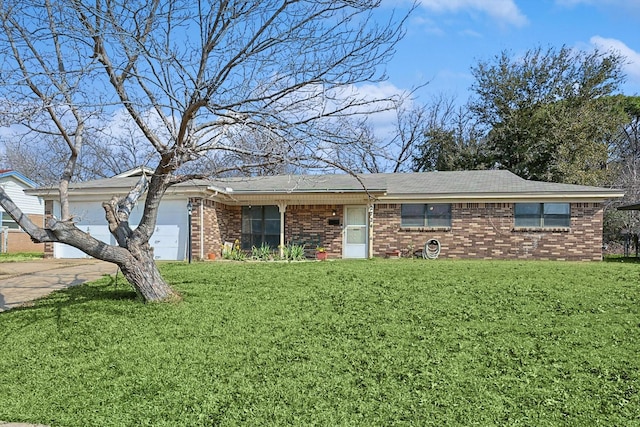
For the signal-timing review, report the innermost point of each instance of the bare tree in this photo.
(411, 124)
(40, 159)
(105, 152)
(624, 168)
(368, 147)
(190, 75)
(451, 139)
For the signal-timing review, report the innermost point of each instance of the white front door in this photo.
(355, 232)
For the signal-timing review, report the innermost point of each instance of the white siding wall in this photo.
(27, 204)
(169, 239)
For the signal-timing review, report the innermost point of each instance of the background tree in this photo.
(383, 149)
(106, 151)
(624, 148)
(546, 113)
(190, 75)
(624, 167)
(450, 139)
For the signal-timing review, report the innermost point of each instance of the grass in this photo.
(383, 342)
(20, 256)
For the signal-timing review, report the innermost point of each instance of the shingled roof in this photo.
(490, 184)
(423, 183)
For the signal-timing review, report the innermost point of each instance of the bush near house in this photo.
(402, 342)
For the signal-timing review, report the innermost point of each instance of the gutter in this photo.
(501, 197)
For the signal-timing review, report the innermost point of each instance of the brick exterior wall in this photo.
(220, 223)
(486, 230)
(19, 241)
(307, 224)
(478, 230)
(310, 224)
(48, 213)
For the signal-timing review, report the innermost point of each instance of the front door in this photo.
(355, 233)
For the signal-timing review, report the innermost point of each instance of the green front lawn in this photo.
(368, 343)
(21, 256)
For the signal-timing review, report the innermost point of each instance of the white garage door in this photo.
(100, 232)
(166, 242)
(169, 239)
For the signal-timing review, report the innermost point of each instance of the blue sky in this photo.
(446, 37)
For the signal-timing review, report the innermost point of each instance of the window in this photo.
(260, 224)
(542, 215)
(8, 222)
(426, 215)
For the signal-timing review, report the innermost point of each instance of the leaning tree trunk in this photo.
(139, 266)
(136, 261)
(133, 255)
(142, 272)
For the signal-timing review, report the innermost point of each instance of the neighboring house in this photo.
(473, 214)
(12, 237)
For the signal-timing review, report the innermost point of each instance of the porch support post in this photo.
(282, 207)
(201, 228)
(370, 227)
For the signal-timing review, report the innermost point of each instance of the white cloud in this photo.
(429, 26)
(381, 90)
(504, 11)
(632, 65)
(471, 33)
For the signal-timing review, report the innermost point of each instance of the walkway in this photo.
(23, 282)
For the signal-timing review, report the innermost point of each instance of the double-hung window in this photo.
(542, 215)
(260, 224)
(426, 215)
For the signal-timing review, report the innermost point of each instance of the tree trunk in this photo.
(135, 260)
(138, 266)
(142, 273)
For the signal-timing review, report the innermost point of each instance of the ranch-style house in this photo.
(490, 214)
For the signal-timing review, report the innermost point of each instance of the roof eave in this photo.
(302, 192)
(632, 207)
(105, 192)
(19, 177)
(510, 197)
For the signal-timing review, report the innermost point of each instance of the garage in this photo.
(169, 239)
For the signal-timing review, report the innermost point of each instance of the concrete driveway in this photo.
(23, 282)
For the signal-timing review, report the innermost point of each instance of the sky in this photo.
(445, 38)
